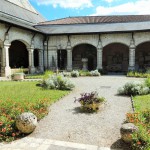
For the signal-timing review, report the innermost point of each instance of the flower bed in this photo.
(19, 97)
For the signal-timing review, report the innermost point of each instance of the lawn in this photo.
(142, 103)
(18, 97)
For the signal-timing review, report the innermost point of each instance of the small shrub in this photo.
(84, 73)
(47, 74)
(147, 82)
(132, 88)
(75, 73)
(58, 82)
(66, 74)
(138, 74)
(95, 73)
(90, 101)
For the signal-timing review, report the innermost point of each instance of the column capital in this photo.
(30, 49)
(132, 44)
(69, 45)
(99, 46)
(6, 43)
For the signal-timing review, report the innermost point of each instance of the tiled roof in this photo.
(98, 19)
(94, 28)
(18, 15)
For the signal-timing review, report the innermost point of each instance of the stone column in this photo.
(132, 56)
(69, 58)
(41, 66)
(99, 56)
(31, 59)
(6, 59)
(45, 55)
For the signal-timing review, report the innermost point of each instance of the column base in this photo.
(131, 68)
(99, 68)
(32, 70)
(7, 72)
(41, 69)
(69, 68)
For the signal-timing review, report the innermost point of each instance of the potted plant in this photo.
(18, 75)
(90, 102)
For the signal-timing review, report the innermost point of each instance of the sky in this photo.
(55, 9)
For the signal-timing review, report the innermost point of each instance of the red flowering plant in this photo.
(141, 139)
(90, 101)
(9, 110)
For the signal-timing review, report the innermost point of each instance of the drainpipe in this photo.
(33, 37)
(8, 30)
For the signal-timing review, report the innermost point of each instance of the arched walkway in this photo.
(116, 58)
(18, 55)
(142, 57)
(84, 51)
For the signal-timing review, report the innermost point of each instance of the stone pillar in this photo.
(6, 59)
(31, 59)
(41, 66)
(99, 56)
(132, 56)
(45, 55)
(69, 58)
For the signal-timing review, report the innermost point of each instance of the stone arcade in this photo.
(111, 43)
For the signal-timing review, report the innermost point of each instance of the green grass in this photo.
(36, 76)
(142, 103)
(27, 91)
(45, 75)
(19, 97)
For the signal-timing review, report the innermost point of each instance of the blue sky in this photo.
(55, 9)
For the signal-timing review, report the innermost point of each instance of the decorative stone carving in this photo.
(26, 122)
(126, 132)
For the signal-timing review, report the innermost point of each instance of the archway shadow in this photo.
(119, 144)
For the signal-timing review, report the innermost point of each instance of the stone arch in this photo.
(23, 41)
(108, 39)
(83, 43)
(84, 51)
(142, 56)
(116, 57)
(18, 54)
(84, 39)
(109, 43)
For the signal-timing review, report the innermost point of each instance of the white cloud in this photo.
(138, 7)
(109, 1)
(66, 3)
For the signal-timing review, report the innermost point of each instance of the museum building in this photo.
(111, 43)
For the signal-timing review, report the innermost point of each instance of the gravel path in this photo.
(66, 123)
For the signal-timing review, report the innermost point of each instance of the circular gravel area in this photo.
(66, 123)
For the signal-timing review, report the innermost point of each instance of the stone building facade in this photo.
(111, 43)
